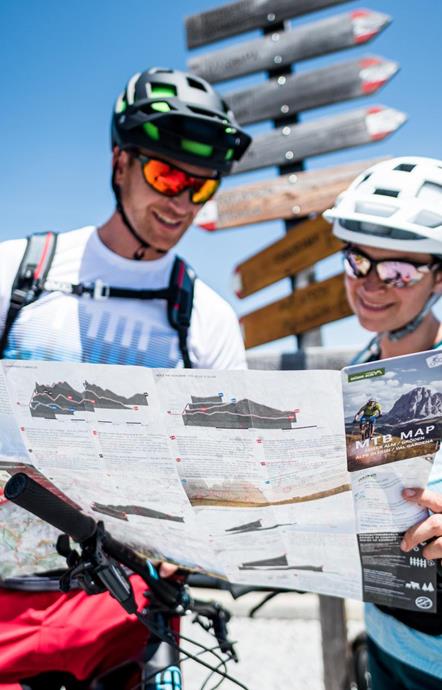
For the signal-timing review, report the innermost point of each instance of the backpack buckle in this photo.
(101, 290)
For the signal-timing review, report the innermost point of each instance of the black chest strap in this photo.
(30, 277)
(31, 281)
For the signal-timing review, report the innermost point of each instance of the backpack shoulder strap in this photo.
(180, 303)
(30, 277)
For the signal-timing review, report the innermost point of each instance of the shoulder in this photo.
(11, 254)
(215, 331)
(210, 305)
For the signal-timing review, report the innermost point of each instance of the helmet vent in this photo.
(159, 90)
(428, 219)
(202, 111)
(364, 179)
(196, 84)
(386, 192)
(431, 192)
(405, 167)
(373, 209)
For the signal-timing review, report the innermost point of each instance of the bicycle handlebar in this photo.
(32, 496)
(27, 493)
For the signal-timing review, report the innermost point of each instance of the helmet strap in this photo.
(140, 251)
(412, 325)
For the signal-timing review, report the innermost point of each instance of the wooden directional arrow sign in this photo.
(281, 49)
(300, 248)
(238, 17)
(291, 94)
(305, 309)
(288, 196)
(293, 143)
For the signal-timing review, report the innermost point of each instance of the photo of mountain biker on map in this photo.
(367, 416)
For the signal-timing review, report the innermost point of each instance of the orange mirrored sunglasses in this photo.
(169, 180)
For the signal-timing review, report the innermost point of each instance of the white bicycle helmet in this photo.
(396, 204)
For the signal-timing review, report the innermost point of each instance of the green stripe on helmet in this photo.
(151, 130)
(229, 154)
(165, 90)
(196, 147)
(160, 106)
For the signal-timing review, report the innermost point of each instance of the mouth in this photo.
(373, 307)
(167, 221)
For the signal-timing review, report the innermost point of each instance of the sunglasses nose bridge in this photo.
(373, 280)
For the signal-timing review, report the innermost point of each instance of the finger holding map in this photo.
(429, 530)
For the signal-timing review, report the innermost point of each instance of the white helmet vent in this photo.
(372, 209)
(428, 219)
(430, 192)
(405, 167)
(387, 192)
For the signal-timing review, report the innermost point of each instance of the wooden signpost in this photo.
(282, 48)
(303, 310)
(333, 133)
(312, 241)
(238, 17)
(298, 92)
(289, 196)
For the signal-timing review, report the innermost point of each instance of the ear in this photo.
(120, 159)
(115, 155)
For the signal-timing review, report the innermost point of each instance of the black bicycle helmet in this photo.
(180, 115)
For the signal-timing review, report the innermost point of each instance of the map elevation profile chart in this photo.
(61, 399)
(241, 414)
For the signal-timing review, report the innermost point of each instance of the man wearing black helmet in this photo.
(118, 294)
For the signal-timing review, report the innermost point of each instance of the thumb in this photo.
(425, 498)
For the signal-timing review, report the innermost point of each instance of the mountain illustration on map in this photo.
(122, 511)
(256, 526)
(212, 411)
(278, 563)
(49, 401)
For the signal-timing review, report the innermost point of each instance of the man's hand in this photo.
(430, 529)
(167, 569)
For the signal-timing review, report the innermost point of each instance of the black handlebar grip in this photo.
(29, 494)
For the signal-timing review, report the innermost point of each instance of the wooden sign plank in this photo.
(281, 49)
(294, 93)
(288, 144)
(303, 310)
(245, 15)
(300, 248)
(287, 196)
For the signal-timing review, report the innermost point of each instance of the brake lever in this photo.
(217, 619)
(95, 571)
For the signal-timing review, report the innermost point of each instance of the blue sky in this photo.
(64, 64)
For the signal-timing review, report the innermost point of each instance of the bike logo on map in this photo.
(434, 360)
(423, 603)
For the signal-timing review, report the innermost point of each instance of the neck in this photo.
(115, 235)
(428, 333)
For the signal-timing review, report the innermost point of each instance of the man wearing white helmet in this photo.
(391, 221)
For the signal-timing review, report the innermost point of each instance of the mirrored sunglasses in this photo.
(169, 180)
(398, 273)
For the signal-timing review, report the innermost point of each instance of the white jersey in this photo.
(114, 331)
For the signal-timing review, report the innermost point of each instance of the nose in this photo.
(182, 202)
(372, 282)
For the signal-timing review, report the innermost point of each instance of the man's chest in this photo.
(115, 331)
